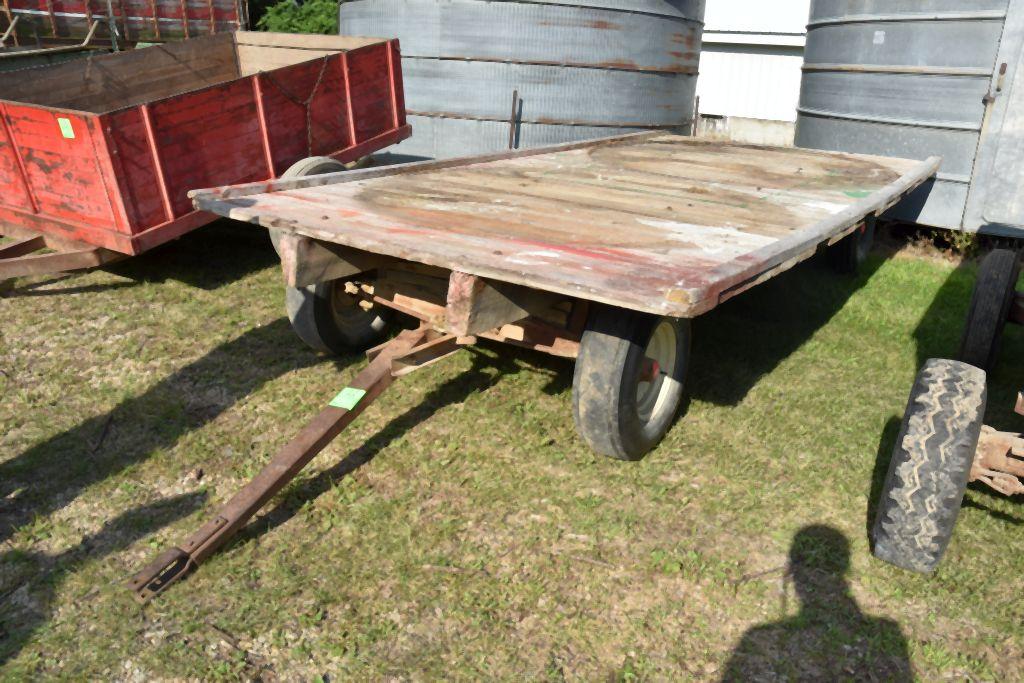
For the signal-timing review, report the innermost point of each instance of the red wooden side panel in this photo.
(134, 18)
(284, 91)
(120, 180)
(135, 168)
(207, 138)
(370, 85)
(61, 165)
(397, 84)
(14, 191)
(213, 136)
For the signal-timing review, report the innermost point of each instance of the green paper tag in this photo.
(65, 127)
(348, 398)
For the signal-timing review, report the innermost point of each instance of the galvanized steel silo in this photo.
(580, 68)
(905, 78)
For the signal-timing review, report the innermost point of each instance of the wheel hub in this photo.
(659, 365)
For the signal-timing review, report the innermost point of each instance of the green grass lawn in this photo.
(460, 529)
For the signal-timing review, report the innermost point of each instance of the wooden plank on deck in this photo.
(653, 222)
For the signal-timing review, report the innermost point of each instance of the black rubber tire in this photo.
(990, 307)
(331, 328)
(849, 254)
(321, 314)
(605, 383)
(930, 465)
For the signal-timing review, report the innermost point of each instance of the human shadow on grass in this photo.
(28, 606)
(50, 474)
(830, 638)
(744, 339)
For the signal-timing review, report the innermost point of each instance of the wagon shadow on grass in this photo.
(735, 346)
(51, 474)
(212, 256)
(746, 338)
(30, 604)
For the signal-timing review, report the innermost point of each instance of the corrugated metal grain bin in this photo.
(581, 69)
(913, 78)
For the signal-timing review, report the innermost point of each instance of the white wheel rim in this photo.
(652, 395)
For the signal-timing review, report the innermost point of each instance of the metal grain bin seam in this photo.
(923, 16)
(902, 78)
(577, 69)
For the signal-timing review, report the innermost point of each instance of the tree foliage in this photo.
(312, 16)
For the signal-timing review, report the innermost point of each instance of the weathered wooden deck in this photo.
(651, 222)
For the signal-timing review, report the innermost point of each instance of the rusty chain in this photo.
(306, 103)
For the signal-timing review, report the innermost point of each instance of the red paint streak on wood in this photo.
(601, 254)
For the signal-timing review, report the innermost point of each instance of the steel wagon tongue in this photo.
(600, 251)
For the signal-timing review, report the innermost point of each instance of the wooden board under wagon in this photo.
(658, 223)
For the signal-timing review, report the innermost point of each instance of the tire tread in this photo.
(930, 465)
(989, 308)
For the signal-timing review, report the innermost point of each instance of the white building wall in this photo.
(737, 81)
(751, 60)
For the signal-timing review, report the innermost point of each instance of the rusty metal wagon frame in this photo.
(597, 251)
(64, 22)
